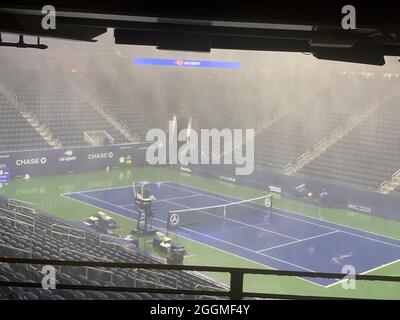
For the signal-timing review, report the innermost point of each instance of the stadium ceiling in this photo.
(301, 26)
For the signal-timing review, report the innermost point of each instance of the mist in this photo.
(265, 84)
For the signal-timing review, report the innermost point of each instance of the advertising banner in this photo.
(69, 160)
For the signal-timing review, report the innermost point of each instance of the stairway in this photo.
(327, 142)
(41, 129)
(263, 125)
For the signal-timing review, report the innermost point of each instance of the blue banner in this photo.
(187, 63)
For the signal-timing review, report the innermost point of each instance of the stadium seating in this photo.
(366, 156)
(19, 234)
(67, 115)
(286, 140)
(126, 111)
(15, 132)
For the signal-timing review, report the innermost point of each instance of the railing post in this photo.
(236, 285)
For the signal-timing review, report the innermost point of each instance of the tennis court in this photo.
(270, 236)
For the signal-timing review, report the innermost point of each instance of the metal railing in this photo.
(13, 235)
(113, 244)
(155, 278)
(235, 291)
(28, 252)
(68, 233)
(16, 219)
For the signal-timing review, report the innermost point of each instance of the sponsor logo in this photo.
(186, 169)
(275, 189)
(358, 208)
(38, 190)
(125, 147)
(187, 63)
(5, 174)
(32, 161)
(126, 160)
(102, 155)
(69, 156)
(229, 179)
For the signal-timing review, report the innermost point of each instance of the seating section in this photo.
(287, 139)
(67, 115)
(18, 234)
(366, 156)
(126, 111)
(15, 132)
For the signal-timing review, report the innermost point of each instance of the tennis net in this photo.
(254, 211)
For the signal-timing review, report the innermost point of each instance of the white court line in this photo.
(271, 257)
(272, 212)
(347, 232)
(106, 202)
(177, 198)
(122, 206)
(289, 243)
(122, 187)
(365, 272)
(224, 229)
(357, 235)
(236, 221)
(94, 190)
(168, 199)
(199, 242)
(205, 235)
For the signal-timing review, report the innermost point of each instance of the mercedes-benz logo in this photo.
(174, 219)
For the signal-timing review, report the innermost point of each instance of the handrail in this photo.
(18, 237)
(60, 251)
(15, 220)
(236, 278)
(87, 267)
(115, 244)
(157, 276)
(68, 234)
(110, 273)
(20, 204)
(203, 287)
(29, 252)
(303, 156)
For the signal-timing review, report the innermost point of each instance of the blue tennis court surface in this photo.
(286, 240)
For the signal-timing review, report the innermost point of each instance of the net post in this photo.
(168, 222)
(223, 221)
(134, 189)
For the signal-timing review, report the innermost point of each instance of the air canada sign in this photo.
(32, 161)
(102, 155)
